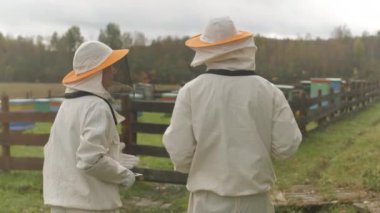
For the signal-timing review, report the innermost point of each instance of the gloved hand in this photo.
(128, 161)
(121, 146)
(129, 180)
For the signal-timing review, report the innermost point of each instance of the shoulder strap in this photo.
(84, 93)
(230, 72)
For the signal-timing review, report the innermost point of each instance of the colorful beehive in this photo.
(21, 105)
(55, 103)
(324, 84)
(169, 96)
(147, 90)
(287, 90)
(321, 84)
(136, 96)
(336, 84)
(306, 84)
(42, 105)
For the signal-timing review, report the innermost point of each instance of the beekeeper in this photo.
(227, 124)
(83, 166)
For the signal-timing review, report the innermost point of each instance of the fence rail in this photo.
(307, 110)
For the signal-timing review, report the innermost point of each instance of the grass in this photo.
(32, 151)
(343, 155)
(21, 192)
(153, 139)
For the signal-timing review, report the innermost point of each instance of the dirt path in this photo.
(305, 195)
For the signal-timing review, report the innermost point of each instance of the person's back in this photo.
(65, 179)
(83, 167)
(227, 124)
(233, 130)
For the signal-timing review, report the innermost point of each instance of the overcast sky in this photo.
(275, 18)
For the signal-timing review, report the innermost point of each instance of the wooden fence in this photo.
(308, 111)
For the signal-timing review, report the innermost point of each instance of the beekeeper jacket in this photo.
(81, 168)
(224, 130)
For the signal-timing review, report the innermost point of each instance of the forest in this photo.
(166, 60)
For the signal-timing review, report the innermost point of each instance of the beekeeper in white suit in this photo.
(83, 165)
(227, 124)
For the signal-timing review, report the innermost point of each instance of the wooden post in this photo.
(354, 96)
(127, 134)
(125, 125)
(320, 121)
(368, 92)
(344, 99)
(5, 145)
(332, 102)
(362, 94)
(373, 91)
(319, 98)
(304, 109)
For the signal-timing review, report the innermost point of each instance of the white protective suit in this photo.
(81, 171)
(224, 131)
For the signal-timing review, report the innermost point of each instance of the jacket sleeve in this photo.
(286, 135)
(93, 152)
(178, 138)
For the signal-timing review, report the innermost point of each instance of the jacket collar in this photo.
(230, 72)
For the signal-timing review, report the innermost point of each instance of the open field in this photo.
(35, 90)
(341, 157)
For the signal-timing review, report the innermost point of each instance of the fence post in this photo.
(304, 109)
(357, 95)
(125, 125)
(127, 135)
(332, 103)
(354, 96)
(364, 94)
(345, 98)
(320, 121)
(6, 149)
(373, 91)
(368, 92)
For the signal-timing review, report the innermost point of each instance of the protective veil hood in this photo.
(228, 48)
(92, 84)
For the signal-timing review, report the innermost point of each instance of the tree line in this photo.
(166, 59)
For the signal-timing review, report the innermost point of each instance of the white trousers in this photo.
(209, 202)
(56, 209)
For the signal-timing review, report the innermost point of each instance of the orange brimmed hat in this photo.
(92, 57)
(218, 31)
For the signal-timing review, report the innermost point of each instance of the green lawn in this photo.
(344, 155)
